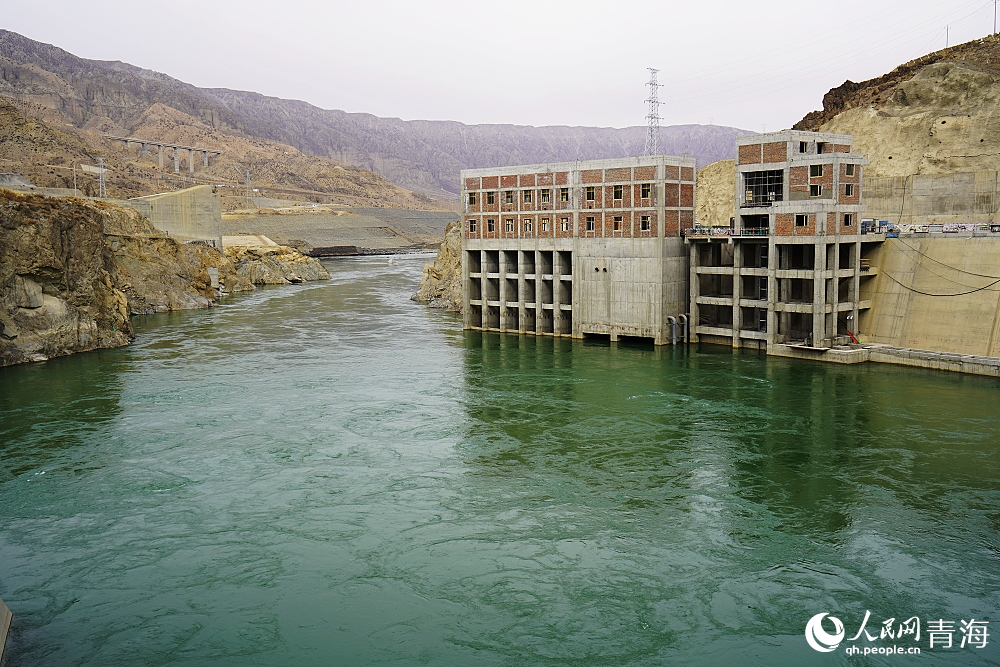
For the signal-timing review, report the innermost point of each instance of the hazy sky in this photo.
(752, 65)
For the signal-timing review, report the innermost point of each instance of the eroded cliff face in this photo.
(441, 283)
(56, 290)
(72, 271)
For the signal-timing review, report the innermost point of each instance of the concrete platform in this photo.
(5, 618)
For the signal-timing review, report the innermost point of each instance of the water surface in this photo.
(329, 474)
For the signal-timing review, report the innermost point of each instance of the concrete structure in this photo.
(577, 248)
(192, 214)
(793, 266)
(146, 143)
(928, 200)
(5, 619)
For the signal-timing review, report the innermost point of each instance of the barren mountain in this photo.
(118, 98)
(936, 114)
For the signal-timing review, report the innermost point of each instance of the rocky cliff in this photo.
(936, 114)
(441, 283)
(72, 271)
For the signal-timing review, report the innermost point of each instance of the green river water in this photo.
(330, 474)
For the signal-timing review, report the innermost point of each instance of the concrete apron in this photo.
(5, 617)
(886, 354)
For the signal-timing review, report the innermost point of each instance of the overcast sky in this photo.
(754, 65)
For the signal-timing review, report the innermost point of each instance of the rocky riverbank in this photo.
(73, 271)
(441, 283)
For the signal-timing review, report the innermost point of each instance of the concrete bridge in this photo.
(146, 143)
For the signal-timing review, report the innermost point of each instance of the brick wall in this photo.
(775, 152)
(784, 225)
(750, 154)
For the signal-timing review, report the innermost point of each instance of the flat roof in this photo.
(793, 135)
(578, 165)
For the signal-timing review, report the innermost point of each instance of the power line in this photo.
(978, 289)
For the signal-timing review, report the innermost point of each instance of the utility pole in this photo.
(947, 28)
(994, 17)
(101, 190)
(249, 192)
(653, 117)
(74, 178)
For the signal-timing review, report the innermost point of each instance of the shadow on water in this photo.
(52, 406)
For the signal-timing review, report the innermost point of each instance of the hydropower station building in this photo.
(610, 247)
(575, 248)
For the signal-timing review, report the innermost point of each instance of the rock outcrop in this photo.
(934, 115)
(714, 198)
(56, 291)
(72, 271)
(441, 283)
(274, 265)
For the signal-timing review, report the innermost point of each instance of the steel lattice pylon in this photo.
(653, 117)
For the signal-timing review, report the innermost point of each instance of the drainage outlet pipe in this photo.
(673, 329)
(683, 319)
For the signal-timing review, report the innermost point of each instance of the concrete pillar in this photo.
(161, 155)
(191, 160)
(177, 163)
(819, 291)
(737, 278)
(772, 292)
(206, 158)
(694, 292)
(144, 151)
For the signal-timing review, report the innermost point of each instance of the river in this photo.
(330, 474)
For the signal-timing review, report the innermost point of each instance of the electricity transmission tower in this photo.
(653, 117)
(249, 192)
(102, 192)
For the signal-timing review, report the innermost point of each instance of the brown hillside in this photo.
(935, 114)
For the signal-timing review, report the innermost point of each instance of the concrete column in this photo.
(737, 264)
(694, 292)
(177, 163)
(819, 292)
(206, 158)
(161, 155)
(772, 291)
(191, 161)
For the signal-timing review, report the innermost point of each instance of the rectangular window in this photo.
(543, 196)
(618, 223)
(618, 191)
(803, 146)
(491, 198)
(849, 190)
(508, 225)
(848, 219)
(849, 169)
(491, 225)
(644, 223)
(472, 199)
(508, 197)
(472, 226)
(591, 193)
(646, 190)
(815, 190)
(820, 147)
(564, 224)
(563, 194)
(544, 226)
(801, 220)
(815, 170)
(527, 226)
(590, 223)
(526, 196)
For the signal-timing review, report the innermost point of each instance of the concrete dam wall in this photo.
(936, 292)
